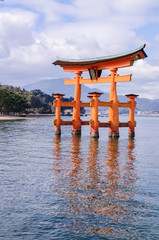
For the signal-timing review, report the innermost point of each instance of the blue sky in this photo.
(34, 32)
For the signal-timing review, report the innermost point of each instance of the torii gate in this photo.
(95, 67)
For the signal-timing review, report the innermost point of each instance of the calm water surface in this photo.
(78, 188)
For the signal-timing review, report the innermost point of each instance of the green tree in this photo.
(35, 102)
(20, 104)
(11, 102)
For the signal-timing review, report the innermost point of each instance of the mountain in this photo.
(145, 104)
(57, 86)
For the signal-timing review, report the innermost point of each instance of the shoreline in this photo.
(26, 117)
(12, 117)
(6, 118)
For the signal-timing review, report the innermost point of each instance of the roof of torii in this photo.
(119, 60)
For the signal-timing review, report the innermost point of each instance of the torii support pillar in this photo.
(132, 123)
(90, 99)
(76, 121)
(57, 121)
(113, 110)
(94, 123)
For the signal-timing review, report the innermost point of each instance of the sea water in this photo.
(78, 187)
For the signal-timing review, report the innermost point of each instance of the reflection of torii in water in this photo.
(97, 187)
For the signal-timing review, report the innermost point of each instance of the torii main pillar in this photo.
(113, 110)
(76, 121)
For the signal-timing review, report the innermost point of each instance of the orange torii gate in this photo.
(95, 67)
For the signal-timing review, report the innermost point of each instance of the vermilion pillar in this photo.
(91, 102)
(113, 110)
(94, 124)
(76, 121)
(57, 121)
(132, 123)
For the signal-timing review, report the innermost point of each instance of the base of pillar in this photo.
(114, 134)
(76, 132)
(131, 134)
(94, 134)
(58, 132)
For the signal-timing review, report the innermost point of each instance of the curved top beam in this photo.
(137, 54)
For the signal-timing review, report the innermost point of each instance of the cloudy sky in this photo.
(34, 32)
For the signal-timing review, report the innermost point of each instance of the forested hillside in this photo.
(15, 100)
(57, 85)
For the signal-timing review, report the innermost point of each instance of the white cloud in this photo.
(4, 50)
(142, 69)
(15, 27)
(32, 33)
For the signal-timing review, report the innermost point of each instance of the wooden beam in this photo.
(67, 104)
(84, 104)
(124, 78)
(85, 122)
(122, 104)
(72, 104)
(70, 122)
(66, 122)
(116, 63)
(104, 124)
(101, 104)
(105, 104)
(70, 81)
(123, 124)
(107, 124)
(98, 80)
(101, 124)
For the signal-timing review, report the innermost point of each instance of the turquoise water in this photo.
(78, 188)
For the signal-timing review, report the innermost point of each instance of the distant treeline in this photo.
(16, 100)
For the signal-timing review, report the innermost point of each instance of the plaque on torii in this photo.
(95, 66)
